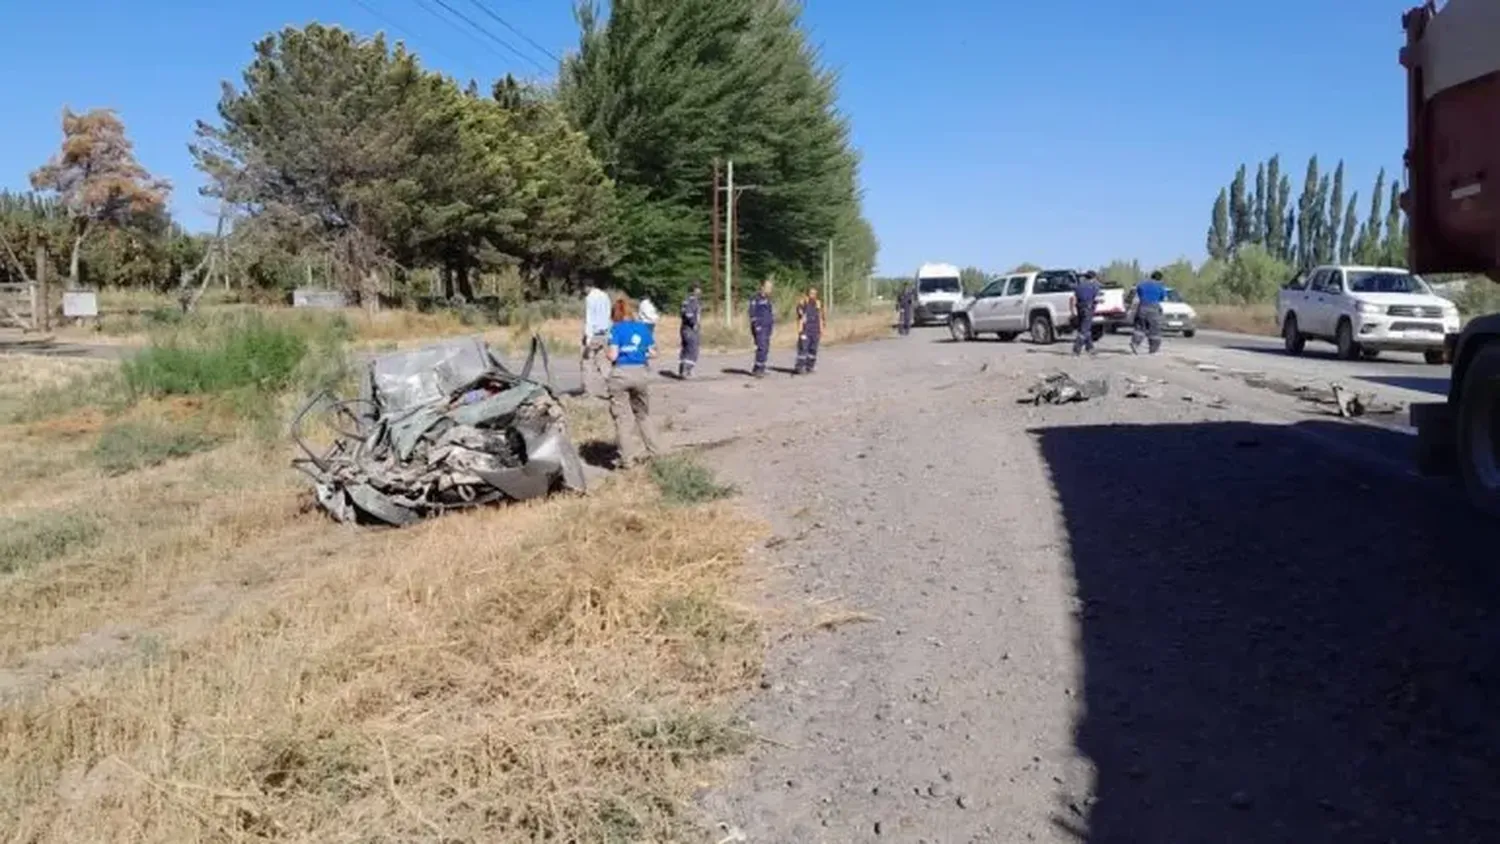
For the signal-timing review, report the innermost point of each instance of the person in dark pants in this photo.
(762, 321)
(692, 333)
(1084, 299)
(1148, 298)
(810, 323)
(906, 304)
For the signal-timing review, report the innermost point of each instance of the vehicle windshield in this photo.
(1385, 281)
(939, 285)
(1173, 295)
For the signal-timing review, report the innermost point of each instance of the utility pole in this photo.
(713, 261)
(733, 193)
(829, 283)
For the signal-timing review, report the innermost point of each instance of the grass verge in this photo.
(1241, 319)
(131, 445)
(683, 481)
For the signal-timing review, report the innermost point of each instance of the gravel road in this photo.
(1215, 613)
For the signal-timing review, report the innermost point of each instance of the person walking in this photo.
(810, 324)
(1149, 295)
(632, 345)
(1085, 296)
(762, 321)
(692, 332)
(906, 304)
(596, 322)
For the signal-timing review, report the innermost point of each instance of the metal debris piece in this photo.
(1349, 404)
(1135, 388)
(443, 427)
(1060, 388)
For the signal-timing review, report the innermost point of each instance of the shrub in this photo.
(684, 481)
(128, 446)
(28, 541)
(234, 353)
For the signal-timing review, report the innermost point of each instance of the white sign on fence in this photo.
(80, 303)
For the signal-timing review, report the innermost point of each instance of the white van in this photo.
(938, 291)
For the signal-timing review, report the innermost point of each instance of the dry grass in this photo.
(187, 653)
(1243, 319)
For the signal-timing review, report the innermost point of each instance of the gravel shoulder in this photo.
(1215, 613)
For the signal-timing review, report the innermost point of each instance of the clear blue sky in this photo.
(1064, 133)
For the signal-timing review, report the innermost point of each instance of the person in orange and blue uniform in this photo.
(810, 323)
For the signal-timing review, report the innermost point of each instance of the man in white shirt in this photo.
(596, 323)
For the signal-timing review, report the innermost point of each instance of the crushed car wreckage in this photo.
(438, 428)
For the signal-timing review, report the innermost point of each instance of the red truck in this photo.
(1452, 61)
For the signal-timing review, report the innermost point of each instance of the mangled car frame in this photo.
(443, 427)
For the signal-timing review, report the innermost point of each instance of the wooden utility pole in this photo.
(42, 316)
(713, 261)
(729, 248)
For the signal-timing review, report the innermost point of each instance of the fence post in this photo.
(41, 316)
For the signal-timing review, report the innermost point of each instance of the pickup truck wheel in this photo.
(1189, 332)
(1041, 330)
(960, 329)
(1344, 339)
(1292, 335)
(1434, 357)
(1006, 336)
(1369, 354)
(1479, 430)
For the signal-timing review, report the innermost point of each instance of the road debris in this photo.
(1060, 388)
(1349, 404)
(442, 427)
(1136, 388)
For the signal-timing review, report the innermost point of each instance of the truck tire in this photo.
(1344, 339)
(1042, 332)
(1434, 357)
(1189, 333)
(960, 329)
(1479, 430)
(1292, 335)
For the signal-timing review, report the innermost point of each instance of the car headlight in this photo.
(1371, 309)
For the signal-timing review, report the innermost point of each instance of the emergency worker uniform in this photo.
(762, 321)
(810, 323)
(692, 335)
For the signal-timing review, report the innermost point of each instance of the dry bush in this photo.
(1242, 319)
(551, 671)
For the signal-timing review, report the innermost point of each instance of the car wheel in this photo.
(1435, 357)
(1479, 431)
(1006, 336)
(1292, 335)
(1344, 339)
(1369, 354)
(960, 329)
(1189, 332)
(1042, 332)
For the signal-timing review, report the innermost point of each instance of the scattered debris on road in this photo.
(1136, 387)
(1349, 404)
(1060, 388)
(443, 427)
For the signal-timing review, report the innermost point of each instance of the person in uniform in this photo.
(906, 304)
(1149, 295)
(810, 324)
(632, 345)
(1085, 296)
(762, 321)
(596, 322)
(692, 328)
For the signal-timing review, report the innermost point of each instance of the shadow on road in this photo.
(1278, 645)
(1328, 353)
(1436, 386)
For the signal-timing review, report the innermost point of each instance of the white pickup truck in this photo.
(1364, 311)
(1037, 303)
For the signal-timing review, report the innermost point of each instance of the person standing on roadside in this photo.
(1149, 295)
(692, 327)
(810, 324)
(906, 302)
(632, 345)
(1085, 295)
(762, 321)
(596, 322)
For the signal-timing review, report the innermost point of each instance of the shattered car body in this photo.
(442, 427)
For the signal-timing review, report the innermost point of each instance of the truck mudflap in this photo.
(1437, 443)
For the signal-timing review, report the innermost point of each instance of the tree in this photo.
(1258, 227)
(1123, 272)
(98, 180)
(1306, 207)
(1218, 229)
(1239, 211)
(1289, 245)
(1253, 275)
(1333, 247)
(1350, 229)
(1282, 221)
(1393, 245)
(1318, 226)
(1275, 210)
(1026, 267)
(973, 278)
(1368, 249)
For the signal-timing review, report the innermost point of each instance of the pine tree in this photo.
(1335, 225)
(1350, 229)
(1218, 229)
(1239, 211)
(1258, 210)
(1306, 248)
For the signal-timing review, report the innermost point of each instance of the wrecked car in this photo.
(443, 427)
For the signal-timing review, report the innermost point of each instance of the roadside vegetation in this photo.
(188, 651)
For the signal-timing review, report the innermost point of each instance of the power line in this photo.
(523, 36)
(383, 18)
(456, 28)
(490, 35)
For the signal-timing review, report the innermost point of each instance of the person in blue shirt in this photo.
(762, 320)
(1148, 298)
(632, 345)
(1084, 299)
(692, 316)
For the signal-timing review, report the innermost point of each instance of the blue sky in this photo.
(992, 132)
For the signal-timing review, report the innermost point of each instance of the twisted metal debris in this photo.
(1060, 388)
(442, 427)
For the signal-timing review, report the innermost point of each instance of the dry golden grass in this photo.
(1243, 319)
(195, 656)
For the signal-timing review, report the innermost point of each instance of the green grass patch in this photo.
(684, 481)
(100, 389)
(238, 351)
(32, 540)
(128, 446)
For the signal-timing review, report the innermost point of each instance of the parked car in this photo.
(1036, 303)
(1178, 317)
(1364, 311)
